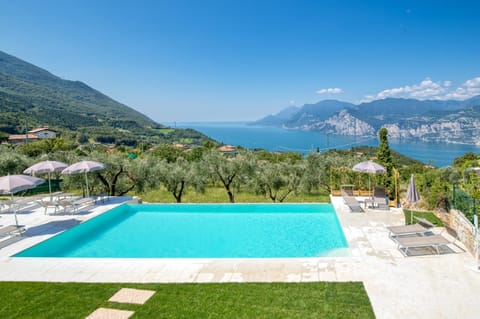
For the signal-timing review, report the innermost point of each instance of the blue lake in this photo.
(278, 139)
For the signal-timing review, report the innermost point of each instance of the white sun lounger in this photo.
(406, 230)
(12, 230)
(19, 203)
(351, 201)
(48, 204)
(423, 226)
(434, 241)
(75, 204)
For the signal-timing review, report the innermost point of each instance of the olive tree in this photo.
(177, 176)
(12, 162)
(230, 171)
(278, 180)
(116, 179)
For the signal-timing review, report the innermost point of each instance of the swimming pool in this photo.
(201, 231)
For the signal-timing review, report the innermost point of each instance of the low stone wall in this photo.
(461, 224)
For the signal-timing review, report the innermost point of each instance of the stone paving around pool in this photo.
(430, 286)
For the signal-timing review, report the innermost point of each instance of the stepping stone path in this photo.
(124, 295)
(135, 296)
(106, 313)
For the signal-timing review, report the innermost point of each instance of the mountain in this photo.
(430, 120)
(310, 113)
(278, 118)
(31, 96)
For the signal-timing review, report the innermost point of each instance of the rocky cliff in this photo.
(433, 121)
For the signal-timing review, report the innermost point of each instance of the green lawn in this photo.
(219, 195)
(226, 300)
(427, 215)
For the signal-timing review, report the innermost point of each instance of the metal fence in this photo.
(43, 188)
(465, 203)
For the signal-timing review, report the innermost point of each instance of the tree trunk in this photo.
(227, 184)
(178, 196)
(282, 198)
(105, 183)
(271, 195)
(230, 196)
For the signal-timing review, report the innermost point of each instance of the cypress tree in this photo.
(384, 156)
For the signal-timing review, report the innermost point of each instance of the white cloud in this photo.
(475, 82)
(330, 91)
(430, 90)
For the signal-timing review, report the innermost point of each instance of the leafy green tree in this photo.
(180, 175)
(144, 146)
(116, 178)
(230, 171)
(209, 144)
(468, 159)
(45, 146)
(435, 187)
(145, 172)
(83, 138)
(276, 157)
(329, 170)
(168, 152)
(12, 162)
(196, 153)
(278, 180)
(32, 149)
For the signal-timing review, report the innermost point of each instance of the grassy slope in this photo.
(227, 300)
(219, 195)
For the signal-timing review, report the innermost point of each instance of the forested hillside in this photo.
(32, 97)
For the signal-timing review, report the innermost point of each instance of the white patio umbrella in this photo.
(46, 167)
(369, 167)
(413, 195)
(11, 184)
(84, 167)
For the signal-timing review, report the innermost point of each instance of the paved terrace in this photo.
(434, 286)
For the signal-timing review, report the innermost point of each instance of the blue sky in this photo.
(240, 60)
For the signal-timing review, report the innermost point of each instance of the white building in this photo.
(43, 132)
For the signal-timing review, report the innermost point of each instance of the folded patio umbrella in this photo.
(413, 195)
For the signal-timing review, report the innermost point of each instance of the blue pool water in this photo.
(201, 231)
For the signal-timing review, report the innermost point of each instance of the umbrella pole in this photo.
(86, 181)
(49, 186)
(411, 213)
(369, 187)
(14, 209)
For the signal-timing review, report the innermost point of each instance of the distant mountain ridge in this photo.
(32, 95)
(449, 121)
(279, 118)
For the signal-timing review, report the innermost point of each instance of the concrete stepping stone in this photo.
(133, 296)
(106, 313)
